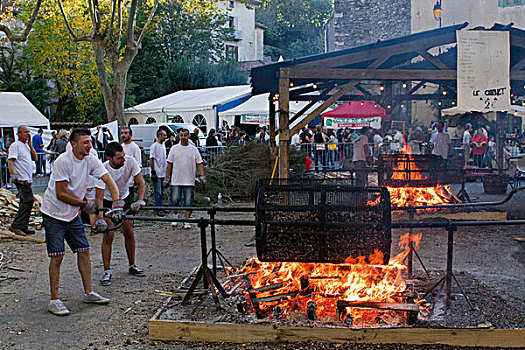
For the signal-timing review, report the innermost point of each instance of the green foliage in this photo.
(294, 26)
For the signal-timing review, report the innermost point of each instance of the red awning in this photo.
(358, 109)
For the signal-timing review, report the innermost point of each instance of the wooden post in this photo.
(500, 142)
(284, 132)
(273, 146)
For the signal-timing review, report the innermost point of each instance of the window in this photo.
(151, 120)
(231, 22)
(508, 3)
(232, 52)
(133, 121)
(200, 122)
(175, 119)
(231, 4)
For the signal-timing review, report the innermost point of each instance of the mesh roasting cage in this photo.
(410, 170)
(301, 221)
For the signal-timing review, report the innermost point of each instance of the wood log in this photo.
(24, 238)
(376, 305)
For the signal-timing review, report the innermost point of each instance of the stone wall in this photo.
(359, 22)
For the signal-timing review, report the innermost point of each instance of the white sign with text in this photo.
(483, 70)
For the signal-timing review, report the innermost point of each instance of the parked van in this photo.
(145, 134)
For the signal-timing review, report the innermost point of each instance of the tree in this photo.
(12, 17)
(294, 27)
(68, 66)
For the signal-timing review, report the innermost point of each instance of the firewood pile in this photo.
(9, 204)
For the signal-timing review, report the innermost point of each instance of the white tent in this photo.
(518, 111)
(16, 110)
(256, 110)
(199, 106)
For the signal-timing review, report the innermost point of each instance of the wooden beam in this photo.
(378, 52)
(517, 75)
(518, 66)
(368, 74)
(284, 132)
(301, 112)
(407, 97)
(344, 89)
(261, 333)
(22, 238)
(273, 145)
(434, 60)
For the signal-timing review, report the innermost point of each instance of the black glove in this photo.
(117, 211)
(101, 226)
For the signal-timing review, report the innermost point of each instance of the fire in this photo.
(325, 284)
(417, 196)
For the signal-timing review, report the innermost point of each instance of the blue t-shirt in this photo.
(37, 141)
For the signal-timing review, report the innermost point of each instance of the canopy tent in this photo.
(16, 110)
(518, 111)
(356, 114)
(199, 107)
(256, 111)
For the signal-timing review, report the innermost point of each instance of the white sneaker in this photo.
(57, 307)
(187, 225)
(177, 224)
(95, 298)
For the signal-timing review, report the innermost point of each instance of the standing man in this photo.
(63, 198)
(361, 157)
(20, 163)
(157, 163)
(132, 150)
(184, 159)
(123, 169)
(38, 145)
(441, 144)
(467, 139)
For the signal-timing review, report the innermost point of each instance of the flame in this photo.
(324, 283)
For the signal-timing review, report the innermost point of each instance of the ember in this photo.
(320, 290)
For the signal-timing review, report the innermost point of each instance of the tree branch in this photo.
(112, 21)
(130, 28)
(148, 22)
(91, 8)
(68, 26)
(29, 25)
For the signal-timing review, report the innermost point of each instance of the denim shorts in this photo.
(57, 231)
(178, 191)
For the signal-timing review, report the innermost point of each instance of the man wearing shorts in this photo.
(183, 158)
(124, 170)
(63, 198)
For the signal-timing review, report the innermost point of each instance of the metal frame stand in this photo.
(215, 253)
(208, 277)
(449, 275)
(412, 250)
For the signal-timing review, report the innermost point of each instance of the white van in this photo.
(145, 134)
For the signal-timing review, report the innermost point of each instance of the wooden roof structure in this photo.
(343, 75)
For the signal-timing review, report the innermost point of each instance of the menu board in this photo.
(483, 70)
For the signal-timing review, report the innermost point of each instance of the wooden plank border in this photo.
(249, 333)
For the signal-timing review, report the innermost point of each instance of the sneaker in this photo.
(17, 231)
(134, 270)
(106, 279)
(95, 298)
(187, 225)
(57, 307)
(175, 223)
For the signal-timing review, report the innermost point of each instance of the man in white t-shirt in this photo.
(63, 198)
(441, 144)
(397, 141)
(361, 157)
(296, 142)
(467, 139)
(132, 150)
(184, 159)
(123, 169)
(157, 162)
(20, 162)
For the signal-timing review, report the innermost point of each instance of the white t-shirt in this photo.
(158, 153)
(441, 141)
(76, 172)
(396, 146)
(184, 160)
(23, 163)
(378, 140)
(121, 176)
(132, 150)
(296, 141)
(467, 138)
(360, 143)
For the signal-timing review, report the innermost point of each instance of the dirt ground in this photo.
(485, 259)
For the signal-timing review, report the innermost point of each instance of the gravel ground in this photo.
(485, 263)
